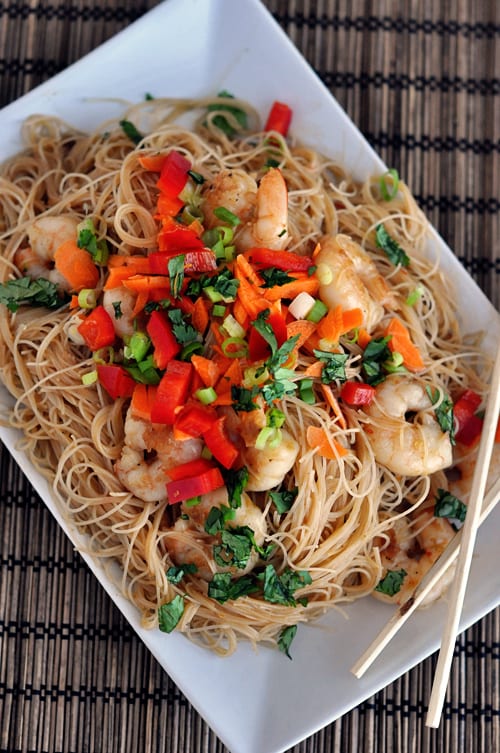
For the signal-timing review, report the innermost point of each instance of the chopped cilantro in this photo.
(281, 355)
(265, 330)
(221, 121)
(196, 177)
(391, 247)
(235, 548)
(285, 639)
(117, 309)
(184, 332)
(223, 587)
(274, 276)
(375, 354)
(449, 506)
(216, 519)
(40, 292)
(243, 398)
(284, 500)
(87, 239)
(177, 572)
(236, 481)
(280, 589)
(169, 614)
(334, 366)
(391, 584)
(443, 411)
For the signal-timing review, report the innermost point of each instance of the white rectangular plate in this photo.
(256, 702)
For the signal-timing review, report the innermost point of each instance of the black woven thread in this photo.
(387, 23)
(65, 631)
(70, 13)
(427, 143)
(403, 82)
(93, 694)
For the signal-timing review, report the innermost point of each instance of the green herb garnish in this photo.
(40, 292)
(176, 274)
(443, 411)
(334, 366)
(169, 614)
(284, 500)
(391, 247)
(130, 130)
(391, 584)
(449, 506)
(285, 639)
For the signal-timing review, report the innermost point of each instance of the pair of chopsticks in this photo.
(462, 546)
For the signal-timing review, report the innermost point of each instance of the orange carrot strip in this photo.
(144, 283)
(73, 304)
(200, 318)
(302, 284)
(330, 327)
(224, 398)
(152, 162)
(232, 375)
(136, 264)
(207, 370)
(140, 302)
(363, 337)
(333, 403)
(351, 319)
(142, 400)
(240, 314)
(76, 266)
(314, 369)
(301, 327)
(401, 343)
(319, 439)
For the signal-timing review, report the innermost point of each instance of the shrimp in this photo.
(351, 279)
(45, 236)
(268, 467)
(409, 448)
(415, 553)
(188, 542)
(262, 209)
(148, 453)
(119, 303)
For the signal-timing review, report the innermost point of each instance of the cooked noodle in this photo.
(74, 432)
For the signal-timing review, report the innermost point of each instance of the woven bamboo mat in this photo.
(421, 80)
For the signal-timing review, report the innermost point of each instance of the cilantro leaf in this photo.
(280, 589)
(391, 584)
(281, 355)
(87, 239)
(217, 518)
(375, 354)
(223, 587)
(443, 411)
(184, 332)
(449, 506)
(243, 398)
(274, 276)
(285, 639)
(130, 130)
(176, 274)
(24, 290)
(236, 547)
(334, 366)
(177, 572)
(284, 500)
(391, 247)
(236, 481)
(265, 330)
(169, 614)
(222, 122)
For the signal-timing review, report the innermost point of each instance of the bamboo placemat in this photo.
(421, 80)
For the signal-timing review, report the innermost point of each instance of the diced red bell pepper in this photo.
(285, 260)
(168, 206)
(357, 393)
(279, 118)
(116, 381)
(165, 345)
(468, 425)
(172, 392)
(97, 329)
(174, 174)
(219, 444)
(194, 419)
(258, 348)
(187, 488)
(200, 260)
(190, 469)
(177, 238)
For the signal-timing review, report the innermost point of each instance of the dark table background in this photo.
(421, 81)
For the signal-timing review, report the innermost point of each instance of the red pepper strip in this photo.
(172, 392)
(116, 381)
(168, 206)
(194, 419)
(469, 425)
(187, 488)
(219, 444)
(190, 469)
(357, 393)
(285, 260)
(279, 118)
(258, 348)
(174, 174)
(97, 329)
(165, 345)
(178, 238)
(202, 260)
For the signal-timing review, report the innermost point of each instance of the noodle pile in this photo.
(74, 433)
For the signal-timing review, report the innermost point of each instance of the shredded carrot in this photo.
(316, 251)
(143, 398)
(152, 162)
(73, 304)
(207, 369)
(231, 376)
(351, 319)
(140, 302)
(334, 405)
(250, 294)
(301, 327)
(363, 337)
(401, 343)
(200, 318)
(330, 327)
(76, 266)
(144, 283)
(224, 398)
(301, 284)
(327, 446)
(314, 369)
(136, 264)
(240, 314)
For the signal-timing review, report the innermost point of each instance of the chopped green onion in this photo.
(206, 454)
(190, 349)
(218, 310)
(104, 355)
(233, 327)
(306, 392)
(234, 347)
(193, 501)
(212, 294)
(317, 312)
(130, 130)
(389, 189)
(206, 395)
(415, 295)
(139, 345)
(225, 215)
(197, 177)
(89, 378)
(87, 298)
(254, 376)
(269, 436)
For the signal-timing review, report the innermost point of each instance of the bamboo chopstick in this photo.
(472, 520)
(431, 578)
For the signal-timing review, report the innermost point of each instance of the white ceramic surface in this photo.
(256, 702)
